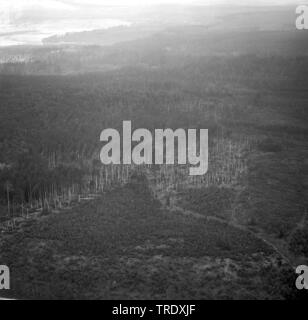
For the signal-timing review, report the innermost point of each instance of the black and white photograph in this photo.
(153, 150)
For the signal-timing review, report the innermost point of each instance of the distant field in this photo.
(126, 246)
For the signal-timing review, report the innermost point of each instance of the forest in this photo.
(51, 125)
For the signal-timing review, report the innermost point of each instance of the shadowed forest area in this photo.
(73, 228)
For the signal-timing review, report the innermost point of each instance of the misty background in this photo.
(31, 21)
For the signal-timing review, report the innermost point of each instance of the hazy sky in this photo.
(66, 4)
